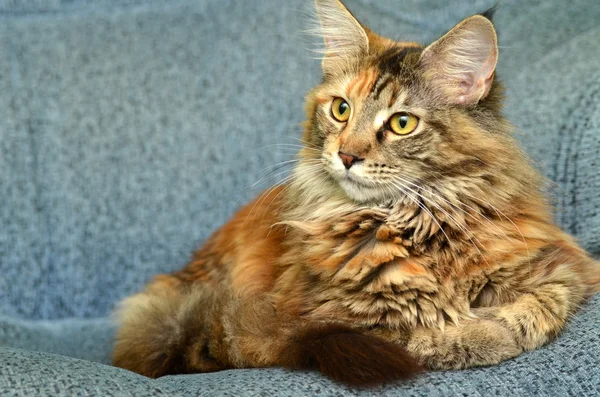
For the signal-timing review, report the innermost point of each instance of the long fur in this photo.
(174, 334)
(436, 250)
(349, 356)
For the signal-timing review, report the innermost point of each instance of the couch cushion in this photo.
(131, 129)
(29, 373)
(87, 339)
(566, 367)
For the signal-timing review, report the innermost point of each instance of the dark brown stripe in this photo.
(392, 60)
(379, 87)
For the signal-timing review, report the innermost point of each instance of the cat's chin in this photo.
(362, 193)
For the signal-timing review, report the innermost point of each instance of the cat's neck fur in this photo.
(456, 208)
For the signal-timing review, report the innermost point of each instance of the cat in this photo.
(414, 233)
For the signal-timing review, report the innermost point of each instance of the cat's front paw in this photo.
(473, 343)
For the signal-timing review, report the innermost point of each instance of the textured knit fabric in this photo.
(568, 367)
(132, 129)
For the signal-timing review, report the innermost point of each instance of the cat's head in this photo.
(391, 117)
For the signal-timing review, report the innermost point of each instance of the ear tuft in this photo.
(462, 63)
(490, 12)
(345, 38)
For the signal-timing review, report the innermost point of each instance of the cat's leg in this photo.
(176, 327)
(259, 335)
(170, 328)
(471, 343)
(494, 334)
(193, 329)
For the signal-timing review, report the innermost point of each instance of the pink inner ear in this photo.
(487, 67)
(468, 85)
(485, 76)
(465, 87)
(464, 60)
(478, 76)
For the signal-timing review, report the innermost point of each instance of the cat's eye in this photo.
(340, 110)
(403, 123)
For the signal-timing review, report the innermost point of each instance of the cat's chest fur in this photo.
(390, 266)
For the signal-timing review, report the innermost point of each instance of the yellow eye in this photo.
(340, 110)
(403, 123)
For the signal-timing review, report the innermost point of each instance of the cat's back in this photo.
(242, 252)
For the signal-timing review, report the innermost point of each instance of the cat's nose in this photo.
(349, 159)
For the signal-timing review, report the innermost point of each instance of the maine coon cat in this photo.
(414, 232)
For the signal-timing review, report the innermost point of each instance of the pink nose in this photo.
(349, 159)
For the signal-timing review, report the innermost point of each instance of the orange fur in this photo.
(437, 248)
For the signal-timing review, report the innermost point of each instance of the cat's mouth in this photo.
(355, 183)
(356, 179)
(360, 189)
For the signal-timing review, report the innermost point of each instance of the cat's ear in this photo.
(462, 63)
(345, 38)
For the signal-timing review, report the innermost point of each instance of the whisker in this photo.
(270, 174)
(274, 168)
(501, 214)
(289, 146)
(313, 170)
(277, 166)
(309, 144)
(498, 212)
(265, 194)
(439, 196)
(461, 227)
(422, 206)
(286, 162)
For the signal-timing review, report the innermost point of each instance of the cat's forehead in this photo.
(386, 76)
(400, 59)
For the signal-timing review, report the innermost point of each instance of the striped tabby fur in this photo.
(433, 249)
